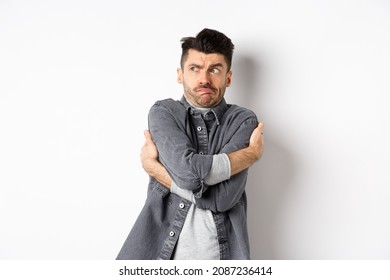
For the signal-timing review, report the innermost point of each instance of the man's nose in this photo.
(204, 78)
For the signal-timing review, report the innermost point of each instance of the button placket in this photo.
(201, 134)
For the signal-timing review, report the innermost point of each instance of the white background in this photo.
(77, 79)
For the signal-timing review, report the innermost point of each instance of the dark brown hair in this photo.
(208, 41)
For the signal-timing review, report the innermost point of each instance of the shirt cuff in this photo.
(220, 170)
(186, 194)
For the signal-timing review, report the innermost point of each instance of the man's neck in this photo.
(203, 110)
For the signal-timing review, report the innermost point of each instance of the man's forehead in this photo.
(197, 57)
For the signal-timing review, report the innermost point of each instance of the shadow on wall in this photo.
(270, 178)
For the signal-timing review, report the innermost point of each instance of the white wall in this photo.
(77, 79)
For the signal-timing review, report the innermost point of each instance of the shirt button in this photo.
(181, 205)
(199, 128)
(171, 233)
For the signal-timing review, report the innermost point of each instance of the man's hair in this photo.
(208, 41)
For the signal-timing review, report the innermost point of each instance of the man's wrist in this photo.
(156, 170)
(242, 159)
(150, 166)
(253, 153)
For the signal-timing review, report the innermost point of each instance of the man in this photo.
(197, 153)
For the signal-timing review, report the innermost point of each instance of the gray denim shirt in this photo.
(186, 142)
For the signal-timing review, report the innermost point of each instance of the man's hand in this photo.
(242, 159)
(256, 142)
(149, 153)
(150, 163)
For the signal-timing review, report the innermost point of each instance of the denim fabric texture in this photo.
(186, 142)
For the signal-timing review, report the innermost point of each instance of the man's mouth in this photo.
(206, 90)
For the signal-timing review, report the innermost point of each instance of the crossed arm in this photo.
(239, 160)
(169, 156)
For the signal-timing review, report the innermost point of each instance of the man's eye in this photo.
(194, 68)
(214, 70)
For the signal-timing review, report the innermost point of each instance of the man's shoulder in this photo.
(239, 112)
(168, 103)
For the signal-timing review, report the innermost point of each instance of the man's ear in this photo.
(229, 78)
(179, 75)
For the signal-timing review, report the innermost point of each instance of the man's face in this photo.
(204, 78)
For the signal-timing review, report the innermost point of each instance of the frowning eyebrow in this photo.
(215, 65)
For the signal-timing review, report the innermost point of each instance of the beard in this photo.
(204, 100)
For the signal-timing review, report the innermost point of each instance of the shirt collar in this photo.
(218, 110)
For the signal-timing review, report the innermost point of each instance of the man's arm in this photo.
(242, 149)
(226, 194)
(244, 158)
(176, 151)
(150, 163)
(239, 160)
(187, 168)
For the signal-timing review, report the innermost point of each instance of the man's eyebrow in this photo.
(211, 66)
(216, 65)
(194, 64)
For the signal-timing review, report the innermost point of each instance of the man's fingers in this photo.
(260, 127)
(148, 136)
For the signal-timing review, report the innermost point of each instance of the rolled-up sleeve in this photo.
(176, 150)
(225, 195)
(220, 170)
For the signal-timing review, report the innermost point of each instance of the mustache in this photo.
(205, 86)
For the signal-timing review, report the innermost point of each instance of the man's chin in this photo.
(205, 101)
